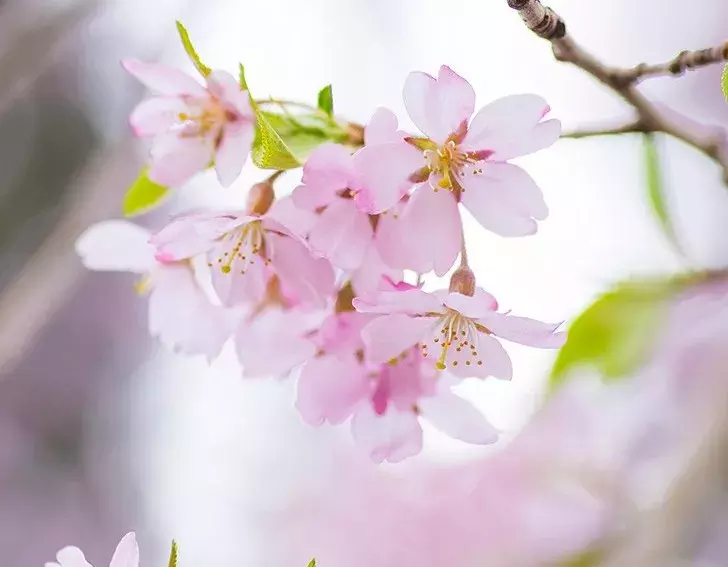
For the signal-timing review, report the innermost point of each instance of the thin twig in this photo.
(684, 61)
(591, 132)
(546, 23)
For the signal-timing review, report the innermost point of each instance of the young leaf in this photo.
(190, 49)
(616, 333)
(173, 555)
(300, 137)
(143, 195)
(312, 563)
(243, 82)
(656, 189)
(724, 82)
(326, 100)
(269, 150)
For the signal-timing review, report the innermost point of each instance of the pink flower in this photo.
(459, 160)
(384, 401)
(457, 332)
(243, 251)
(126, 555)
(193, 126)
(180, 313)
(343, 231)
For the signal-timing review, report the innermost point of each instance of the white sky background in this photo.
(222, 451)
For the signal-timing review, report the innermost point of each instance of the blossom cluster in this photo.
(312, 284)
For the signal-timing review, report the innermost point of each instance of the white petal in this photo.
(391, 437)
(457, 418)
(164, 80)
(232, 154)
(156, 115)
(127, 552)
(117, 246)
(389, 335)
(72, 557)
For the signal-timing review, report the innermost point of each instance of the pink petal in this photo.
(226, 88)
(391, 238)
(156, 115)
(504, 199)
(239, 274)
(297, 221)
(368, 277)
(329, 388)
(329, 169)
(117, 246)
(72, 557)
(455, 101)
(384, 171)
(232, 153)
(182, 315)
(503, 119)
(342, 234)
(188, 235)
(382, 128)
(479, 305)
(537, 138)
(431, 222)
(457, 418)
(412, 301)
(127, 552)
(391, 437)
(176, 159)
(496, 361)
(164, 80)
(388, 336)
(523, 330)
(312, 279)
(438, 107)
(340, 333)
(274, 343)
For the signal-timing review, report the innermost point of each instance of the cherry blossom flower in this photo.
(384, 401)
(344, 232)
(180, 313)
(193, 125)
(459, 160)
(126, 555)
(244, 249)
(456, 331)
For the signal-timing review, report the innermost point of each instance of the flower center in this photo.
(240, 249)
(208, 116)
(459, 333)
(446, 162)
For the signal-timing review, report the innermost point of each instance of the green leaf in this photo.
(143, 195)
(589, 558)
(173, 554)
(269, 150)
(724, 81)
(656, 190)
(190, 49)
(312, 563)
(326, 100)
(616, 333)
(243, 82)
(301, 134)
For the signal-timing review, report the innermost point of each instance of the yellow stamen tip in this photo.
(225, 269)
(440, 366)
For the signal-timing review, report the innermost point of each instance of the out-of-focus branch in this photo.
(547, 24)
(594, 131)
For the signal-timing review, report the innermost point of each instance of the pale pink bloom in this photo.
(126, 555)
(193, 125)
(459, 160)
(180, 313)
(343, 231)
(456, 332)
(243, 252)
(384, 401)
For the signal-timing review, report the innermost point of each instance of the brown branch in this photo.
(592, 132)
(684, 61)
(546, 23)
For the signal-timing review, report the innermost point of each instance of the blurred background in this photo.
(103, 431)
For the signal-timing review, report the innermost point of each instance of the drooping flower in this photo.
(454, 331)
(244, 250)
(126, 555)
(384, 400)
(180, 313)
(458, 160)
(343, 231)
(193, 125)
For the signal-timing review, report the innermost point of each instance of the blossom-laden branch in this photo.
(544, 22)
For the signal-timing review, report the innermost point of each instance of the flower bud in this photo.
(260, 198)
(463, 281)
